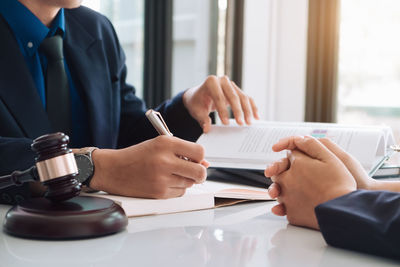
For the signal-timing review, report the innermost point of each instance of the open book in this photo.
(249, 147)
(208, 195)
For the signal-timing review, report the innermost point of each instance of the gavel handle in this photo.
(19, 177)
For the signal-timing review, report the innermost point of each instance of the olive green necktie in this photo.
(58, 100)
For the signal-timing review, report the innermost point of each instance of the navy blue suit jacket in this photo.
(97, 65)
(365, 221)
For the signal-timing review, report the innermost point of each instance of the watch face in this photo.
(85, 167)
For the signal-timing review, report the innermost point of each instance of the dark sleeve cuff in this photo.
(365, 221)
(179, 121)
(15, 154)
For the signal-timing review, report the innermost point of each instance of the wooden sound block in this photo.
(76, 218)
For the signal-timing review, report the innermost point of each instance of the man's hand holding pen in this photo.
(151, 169)
(166, 166)
(161, 127)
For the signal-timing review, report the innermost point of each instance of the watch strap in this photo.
(86, 151)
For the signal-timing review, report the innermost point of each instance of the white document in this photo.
(198, 197)
(250, 147)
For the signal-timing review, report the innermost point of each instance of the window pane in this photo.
(191, 43)
(127, 17)
(369, 63)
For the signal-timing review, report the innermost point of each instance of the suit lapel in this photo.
(17, 88)
(89, 70)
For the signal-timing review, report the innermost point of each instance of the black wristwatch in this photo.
(85, 165)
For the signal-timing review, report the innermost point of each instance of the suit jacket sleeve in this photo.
(128, 111)
(134, 126)
(365, 221)
(15, 154)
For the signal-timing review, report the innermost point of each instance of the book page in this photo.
(236, 191)
(193, 199)
(198, 197)
(383, 145)
(251, 146)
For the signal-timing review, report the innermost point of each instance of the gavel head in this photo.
(56, 166)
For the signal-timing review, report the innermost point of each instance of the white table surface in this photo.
(242, 235)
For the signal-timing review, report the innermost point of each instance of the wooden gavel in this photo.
(61, 214)
(55, 168)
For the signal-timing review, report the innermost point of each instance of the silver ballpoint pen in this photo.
(158, 122)
(393, 149)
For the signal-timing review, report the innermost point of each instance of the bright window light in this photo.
(369, 63)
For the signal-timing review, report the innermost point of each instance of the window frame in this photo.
(274, 57)
(157, 51)
(322, 60)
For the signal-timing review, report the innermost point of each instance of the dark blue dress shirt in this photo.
(29, 32)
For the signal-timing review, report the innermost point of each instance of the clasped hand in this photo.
(314, 172)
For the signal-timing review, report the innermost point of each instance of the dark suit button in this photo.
(19, 198)
(6, 198)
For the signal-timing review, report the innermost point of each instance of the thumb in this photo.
(286, 143)
(313, 148)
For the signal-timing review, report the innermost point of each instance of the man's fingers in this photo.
(274, 190)
(190, 150)
(286, 143)
(313, 148)
(232, 98)
(277, 167)
(277, 178)
(334, 148)
(176, 181)
(307, 144)
(205, 123)
(245, 104)
(205, 163)
(362, 178)
(297, 155)
(218, 98)
(254, 108)
(167, 192)
(175, 192)
(194, 171)
(189, 161)
(279, 209)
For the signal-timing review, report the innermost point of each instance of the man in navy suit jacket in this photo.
(105, 111)
(320, 186)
